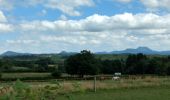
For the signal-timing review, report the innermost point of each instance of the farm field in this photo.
(29, 76)
(154, 93)
(24, 75)
(139, 88)
(84, 50)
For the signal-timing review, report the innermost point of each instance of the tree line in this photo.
(85, 63)
(38, 65)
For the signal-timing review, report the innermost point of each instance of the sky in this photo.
(52, 26)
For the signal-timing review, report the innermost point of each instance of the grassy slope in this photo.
(156, 93)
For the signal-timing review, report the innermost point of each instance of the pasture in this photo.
(138, 88)
(154, 93)
(24, 75)
(30, 76)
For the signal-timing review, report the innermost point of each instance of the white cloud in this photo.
(97, 32)
(2, 17)
(63, 17)
(74, 39)
(6, 5)
(11, 4)
(99, 23)
(69, 7)
(21, 41)
(4, 25)
(152, 4)
(6, 28)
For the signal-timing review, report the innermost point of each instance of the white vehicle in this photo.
(116, 76)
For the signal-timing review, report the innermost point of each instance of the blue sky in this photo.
(51, 26)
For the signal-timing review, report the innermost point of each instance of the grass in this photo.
(150, 93)
(24, 75)
(140, 88)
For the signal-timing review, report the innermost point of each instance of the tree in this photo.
(112, 66)
(56, 74)
(43, 64)
(83, 63)
(136, 64)
(6, 65)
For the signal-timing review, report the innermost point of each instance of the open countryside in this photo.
(65, 77)
(84, 50)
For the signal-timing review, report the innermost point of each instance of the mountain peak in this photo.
(12, 53)
(63, 52)
(143, 48)
(9, 53)
(66, 53)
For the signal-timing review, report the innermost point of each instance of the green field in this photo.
(154, 93)
(138, 88)
(25, 75)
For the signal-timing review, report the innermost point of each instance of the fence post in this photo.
(94, 83)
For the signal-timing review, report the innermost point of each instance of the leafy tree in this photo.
(168, 70)
(112, 66)
(6, 65)
(56, 74)
(43, 64)
(83, 63)
(152, 66)
(0, 75)
(136, 64)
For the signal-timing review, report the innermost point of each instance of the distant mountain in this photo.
(165, 52)
(64, 53)
(144, 50)
(11, 53)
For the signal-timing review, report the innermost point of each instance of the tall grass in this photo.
(53, 89)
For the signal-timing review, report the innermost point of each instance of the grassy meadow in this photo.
(141, 79)
(154, 93)
(24, 75)
(139, 88)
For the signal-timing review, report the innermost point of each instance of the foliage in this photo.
(56, 74)
(77, 87)
(83, 63)
(112, 66)
(0, 75)
(43, 64)
(155, 93)
(131, 87)
(86, 63)
(136, 64)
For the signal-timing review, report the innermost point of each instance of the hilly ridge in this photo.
(144, 50)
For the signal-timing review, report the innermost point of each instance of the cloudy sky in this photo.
(51, 26)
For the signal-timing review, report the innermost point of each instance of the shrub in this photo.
(56, 74)
(77, 87)
(0, 75)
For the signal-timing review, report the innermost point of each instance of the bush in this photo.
(56, 74)
(0, 75)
